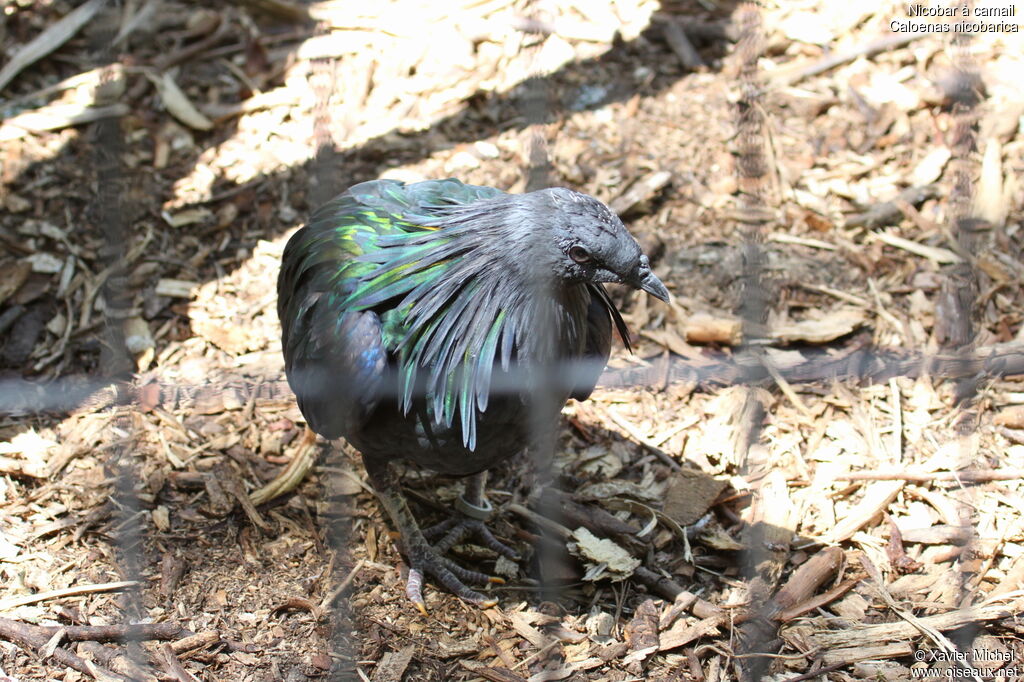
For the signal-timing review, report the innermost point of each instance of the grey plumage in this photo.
(416, 317)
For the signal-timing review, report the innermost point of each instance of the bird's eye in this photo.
(579, 254)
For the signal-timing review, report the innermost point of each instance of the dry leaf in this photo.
(55, 117)
(681, 633)
(606, 558)
(137, 336)
(827, 327)
(991, 203)
(189, 216)
(521, 624)
(8, 550)
(144, 16)
(12, 276)
(161, 518)
(227, 335)
(598, 460)
(45, 263)
(704, 328)
(876, 499)
(886, 87)
(806, 27)
(34, 450)
(599, 627)
(505, 567)
(642, 633)
(714, 536)
(392, 665)
(606, 489)
(690, 494)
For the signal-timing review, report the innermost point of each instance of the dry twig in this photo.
(49, 40)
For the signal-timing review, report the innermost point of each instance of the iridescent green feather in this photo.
(389, 253)
(485, 360)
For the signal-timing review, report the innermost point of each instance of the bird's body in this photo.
(420, 321)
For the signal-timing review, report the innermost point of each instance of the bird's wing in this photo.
(338, 369)
(392, 251)
(338, 274)
(335, 356)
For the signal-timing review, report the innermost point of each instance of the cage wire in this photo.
(959, 359)
(115, 360)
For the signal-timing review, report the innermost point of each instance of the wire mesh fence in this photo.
(427, 414)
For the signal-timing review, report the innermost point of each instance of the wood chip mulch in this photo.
(809, 468)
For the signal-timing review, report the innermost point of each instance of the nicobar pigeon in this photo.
(419, 320)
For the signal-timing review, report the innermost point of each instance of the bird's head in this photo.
(590, 243)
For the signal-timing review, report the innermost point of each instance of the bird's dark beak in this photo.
(653, 286)
(641, 277)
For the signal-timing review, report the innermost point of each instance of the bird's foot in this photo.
(470, 523)
(426, 560)
(429, 558)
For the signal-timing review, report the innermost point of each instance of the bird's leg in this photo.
(475, 512)
(423, 559)
(474, 494)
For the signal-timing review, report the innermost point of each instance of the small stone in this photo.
(462, 160)
(16, 203)
(487, 150)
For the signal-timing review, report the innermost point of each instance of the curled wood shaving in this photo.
(177, 102)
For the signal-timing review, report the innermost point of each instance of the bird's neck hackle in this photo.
(497, 307)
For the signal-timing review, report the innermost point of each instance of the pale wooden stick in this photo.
(13, 602)
(876, 499)
(50, 39)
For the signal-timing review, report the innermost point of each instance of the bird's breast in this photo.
(389, 434)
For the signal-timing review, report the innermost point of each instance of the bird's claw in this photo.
(454, 530)
(450, 575)
(429, 559)
(414, 590)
